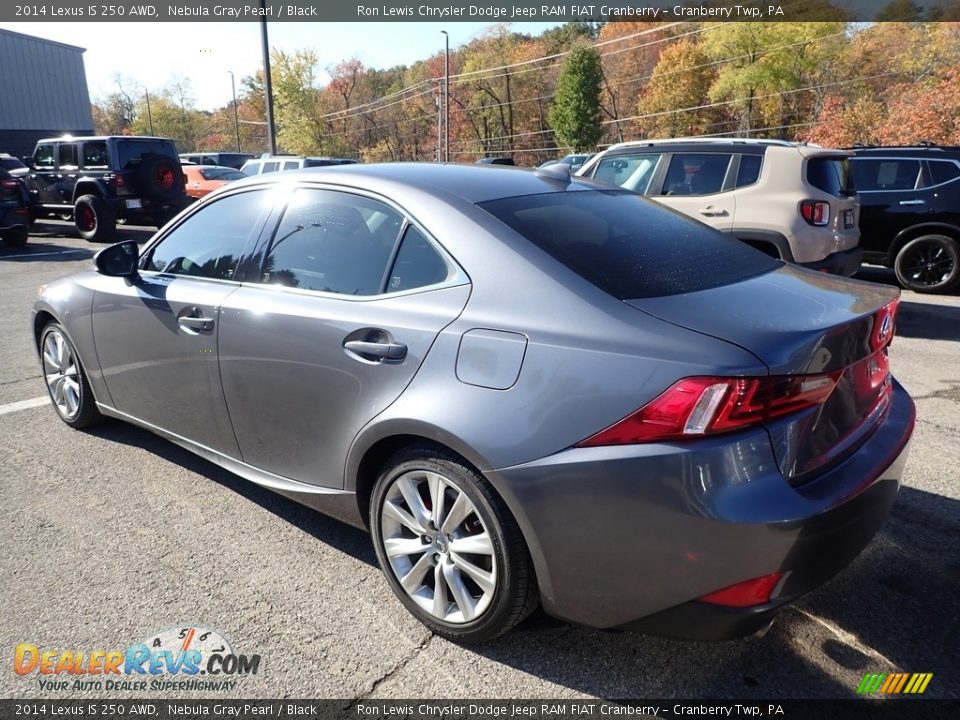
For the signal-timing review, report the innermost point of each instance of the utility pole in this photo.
(236, 118)
(446, 97)
(267, 85)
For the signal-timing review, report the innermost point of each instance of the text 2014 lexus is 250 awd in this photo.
(530, 389)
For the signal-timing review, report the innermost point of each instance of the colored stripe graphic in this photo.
(907, 683)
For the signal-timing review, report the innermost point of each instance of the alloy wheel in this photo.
(61, 374)
(928, 265)
(438, 546)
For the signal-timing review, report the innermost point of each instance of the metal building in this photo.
(43, 92)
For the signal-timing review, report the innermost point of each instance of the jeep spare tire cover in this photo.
(159, 177)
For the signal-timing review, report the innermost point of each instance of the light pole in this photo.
(236, 119)
(267, 85)
(446, 97)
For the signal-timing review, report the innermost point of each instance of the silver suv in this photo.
(278, 163)
(791, 200)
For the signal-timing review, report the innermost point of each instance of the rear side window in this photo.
(418, 264)
(942, 171)
(269, 167)
(890, 174)
(68, 156)
(291, 165)
(749, 171)
(696, 174)
(631, 172)
(95, 155)
(831, 174)
(628, 246)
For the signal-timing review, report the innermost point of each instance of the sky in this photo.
(151, 54)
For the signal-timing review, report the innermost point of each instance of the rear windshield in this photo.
(11, 163)
(628, 246)
(220, 173)
(134, 150)
(831, 174)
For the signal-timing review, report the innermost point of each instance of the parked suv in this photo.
(98, 180)
(910, 212)
(790, 200)
(222, 159)
(278, 163)
(14, 210)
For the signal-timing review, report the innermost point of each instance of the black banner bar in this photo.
(110, 709)
(451, 10)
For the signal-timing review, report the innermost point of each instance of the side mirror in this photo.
(118, 260)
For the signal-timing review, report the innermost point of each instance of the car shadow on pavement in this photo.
(895, 609)
(337, 534)
(933, 322)
(58, 229)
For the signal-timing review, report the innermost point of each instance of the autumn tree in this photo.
(575, 113)
(681, 79)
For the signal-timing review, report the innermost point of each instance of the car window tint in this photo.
(627, 245)
(291, 165)
(43, 157)
(270, 167)
(95, 154)
(830, 174)
(631, 172)
(886, 174)
(749, 171)
(418, 264)
(68, 156)
(942, 171)
(324, 243)
(209, 243)
(695, 173)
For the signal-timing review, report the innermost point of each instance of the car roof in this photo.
(87, 138)
(471, 183)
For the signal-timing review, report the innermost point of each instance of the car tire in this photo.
(928, 264)
(94, 218)
(66, 379)
(473, 546)
(16, 238)
(159, 178)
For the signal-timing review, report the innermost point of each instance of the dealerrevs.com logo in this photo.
(176, 659)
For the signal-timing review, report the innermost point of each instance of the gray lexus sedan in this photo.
(530, 388)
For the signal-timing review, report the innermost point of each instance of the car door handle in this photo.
(711, 211)
(195, 321)
(912, 202)
(382, 350)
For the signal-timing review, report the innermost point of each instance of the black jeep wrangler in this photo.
(98, 180)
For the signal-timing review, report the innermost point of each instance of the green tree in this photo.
(575, 112)
(680, 80)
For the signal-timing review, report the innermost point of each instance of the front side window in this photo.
(631, 172)
(696, 173)
(43, 157)
(209, 243)
(890, 174)
(333, 242)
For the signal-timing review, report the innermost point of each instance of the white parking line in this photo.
(24, 404)
(58, 252)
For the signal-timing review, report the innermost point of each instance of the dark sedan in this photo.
(531, 389)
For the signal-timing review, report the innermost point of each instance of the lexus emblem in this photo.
(885, 327)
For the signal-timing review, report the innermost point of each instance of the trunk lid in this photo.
(799, 322)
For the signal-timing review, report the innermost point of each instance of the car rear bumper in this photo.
(844, 262)
(630, 537)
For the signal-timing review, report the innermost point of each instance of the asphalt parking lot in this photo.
(111, 535)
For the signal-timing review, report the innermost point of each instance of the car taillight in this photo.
(815, 212)
(9, 184)
(698, 406)
(117, 181)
